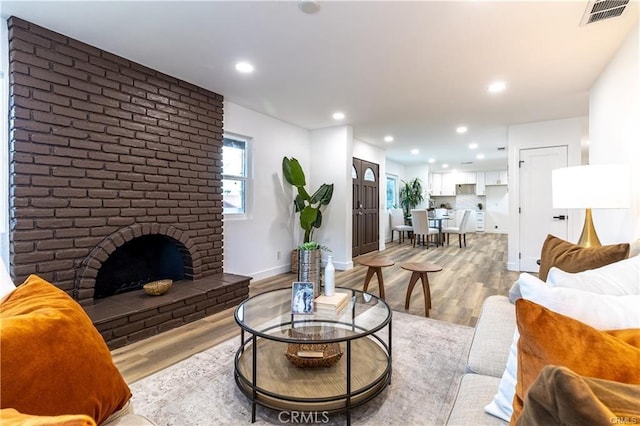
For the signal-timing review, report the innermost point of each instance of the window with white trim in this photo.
(235, 170)
(392, 197)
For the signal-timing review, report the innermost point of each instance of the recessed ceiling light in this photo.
(432, 160)
(338, 116)
(388, 138)
(480, 156)
(462, 129)
(445, 166)
(497, 87)
(244, 67)
(309, 6)
(415, 151)
(473, 145)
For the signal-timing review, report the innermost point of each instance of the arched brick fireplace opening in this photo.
(124, 261)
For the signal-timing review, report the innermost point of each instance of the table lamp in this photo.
(591, 187)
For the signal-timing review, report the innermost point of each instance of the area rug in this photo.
(428, 361)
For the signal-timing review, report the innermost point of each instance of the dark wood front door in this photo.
(365, 207)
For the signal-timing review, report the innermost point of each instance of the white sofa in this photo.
(496, 325)
(485, 363)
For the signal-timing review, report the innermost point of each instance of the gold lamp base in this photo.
(589, 238)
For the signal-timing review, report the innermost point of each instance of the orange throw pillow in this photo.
(547, 337)
(574, 258)
(53, 360)
(11, 417)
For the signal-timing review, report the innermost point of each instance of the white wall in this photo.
(614, 129)
(373, 154)
(496, 216)
(331, 150)
(252, 244)
(569, 132)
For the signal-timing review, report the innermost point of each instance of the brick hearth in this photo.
(102, 151)
(132, 316)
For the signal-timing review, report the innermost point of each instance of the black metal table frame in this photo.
(255, 390)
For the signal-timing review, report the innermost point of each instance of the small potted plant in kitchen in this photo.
(411, 195)
(309, 207)
(479, 206)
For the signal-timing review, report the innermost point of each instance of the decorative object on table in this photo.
(310, 264)
(411, 194)
(157, 288)
(302, 295)
(331, 304)
(590, 187)
(329, 277)
(313, 355)
(309, 207)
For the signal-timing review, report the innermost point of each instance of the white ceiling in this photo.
(415, 70)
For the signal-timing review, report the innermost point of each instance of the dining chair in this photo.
(420, 222)
(398, 225)
(460, 229)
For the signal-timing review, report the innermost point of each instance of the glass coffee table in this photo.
(319, 364)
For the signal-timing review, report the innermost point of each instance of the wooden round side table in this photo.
(419, 271)
(375, 265)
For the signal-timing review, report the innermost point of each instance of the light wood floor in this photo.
(469, 275)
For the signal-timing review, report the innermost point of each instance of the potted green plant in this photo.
(309, 208)
(411, 195)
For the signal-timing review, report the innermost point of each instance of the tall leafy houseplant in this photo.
(410, 195)
(307, 205)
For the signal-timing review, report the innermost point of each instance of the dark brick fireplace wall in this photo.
(103, 150)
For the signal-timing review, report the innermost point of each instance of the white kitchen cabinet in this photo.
(479, 221)
(503, 178)
(480, 188)
(469, 177)
(436, 183)
(449, 184)
(496, 177)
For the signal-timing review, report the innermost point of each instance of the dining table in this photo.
(437, 221)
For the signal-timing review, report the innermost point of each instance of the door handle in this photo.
(560, 217)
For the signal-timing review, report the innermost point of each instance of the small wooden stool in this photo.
(420, 270)
(375, 265)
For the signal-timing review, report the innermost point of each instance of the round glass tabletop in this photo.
(270, 315)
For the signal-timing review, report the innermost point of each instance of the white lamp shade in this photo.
(591, 187)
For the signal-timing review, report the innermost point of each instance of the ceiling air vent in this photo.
(466, 163)
(598, 10)
(502, 148)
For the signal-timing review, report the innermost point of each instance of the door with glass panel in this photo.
(365, 207)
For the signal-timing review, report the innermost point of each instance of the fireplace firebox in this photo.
(137, 262)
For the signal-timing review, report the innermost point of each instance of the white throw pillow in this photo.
(502, 404)
(617, 279)
(6, 285)
(601, 311)
(634, 248)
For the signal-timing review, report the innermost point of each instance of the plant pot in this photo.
(310, 267)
